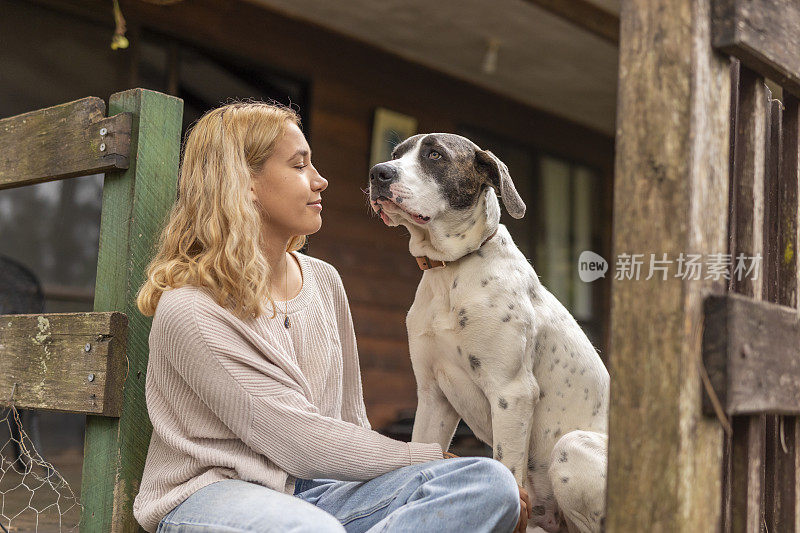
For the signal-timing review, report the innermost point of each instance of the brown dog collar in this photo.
(426, 263)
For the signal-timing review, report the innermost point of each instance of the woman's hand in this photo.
(524, 511)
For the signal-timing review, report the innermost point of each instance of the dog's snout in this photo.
(383, 173)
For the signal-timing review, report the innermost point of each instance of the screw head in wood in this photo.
(88, 347)
(103, 147)
(103, 131)
(91, 377)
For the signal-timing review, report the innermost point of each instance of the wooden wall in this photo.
(348, 80)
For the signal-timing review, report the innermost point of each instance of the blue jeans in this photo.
(472, 494)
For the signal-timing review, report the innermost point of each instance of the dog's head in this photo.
(433, 174)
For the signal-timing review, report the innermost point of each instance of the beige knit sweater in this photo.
(252, 400)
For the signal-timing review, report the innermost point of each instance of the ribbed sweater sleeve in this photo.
(255, 393)
(353, 408)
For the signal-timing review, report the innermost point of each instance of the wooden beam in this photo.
(69, 362)
(750, 349)
(670, 196)
(763, 34)
(135, 205)
(585, 15)
(783, 513)
(63, 141)
(747, 447)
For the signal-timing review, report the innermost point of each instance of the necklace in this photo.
(286, 321)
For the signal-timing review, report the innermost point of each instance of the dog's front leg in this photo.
(436, 420)
(513, 403)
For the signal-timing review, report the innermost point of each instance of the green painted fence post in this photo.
(135, 205)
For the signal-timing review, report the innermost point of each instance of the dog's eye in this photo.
(434, 155)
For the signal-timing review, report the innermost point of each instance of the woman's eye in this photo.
(434, 155)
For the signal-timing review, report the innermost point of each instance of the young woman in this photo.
(253, 384)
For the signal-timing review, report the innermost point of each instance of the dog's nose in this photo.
(383, 173)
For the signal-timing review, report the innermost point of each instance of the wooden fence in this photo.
(95, 363)
(704, 430)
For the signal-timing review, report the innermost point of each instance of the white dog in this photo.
(488, 343)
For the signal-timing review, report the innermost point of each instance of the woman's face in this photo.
(289, 188)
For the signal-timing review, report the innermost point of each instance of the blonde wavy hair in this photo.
(213, 236)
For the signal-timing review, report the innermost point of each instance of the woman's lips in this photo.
(317, 205)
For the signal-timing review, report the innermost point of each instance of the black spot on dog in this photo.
(459, 349)
(399, 200)
(479, 253)
(455, 283)
(541, 394)
(503, 241)
(563, 458)
(446, 234)
(462, 312)
(553, 349)
(499, 452)
(532, 294)
(538, 510)
(502, 403)
(484, 282)
(531, 464)
(463, 236)
(572, 355)
(511, 306)
(564, 479)
(456, 172)
(506, 318)
(462, 322)
(474, 362)
(557, 360)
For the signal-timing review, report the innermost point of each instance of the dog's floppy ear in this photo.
(500, 178)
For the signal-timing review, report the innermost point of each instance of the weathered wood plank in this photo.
(763, 34)
(670, 196)
(62, 141)
(758, 342)
(70, 362)
(772, 492)
(786, 516)
(135, 204)
(748, 447)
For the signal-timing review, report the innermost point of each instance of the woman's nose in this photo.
(321, 183)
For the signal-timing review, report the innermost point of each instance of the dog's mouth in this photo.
(380, 203)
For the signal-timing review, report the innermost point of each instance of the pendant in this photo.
(286, 322)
